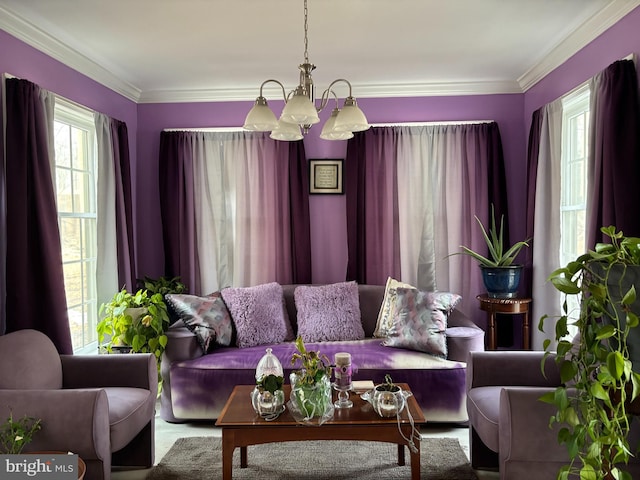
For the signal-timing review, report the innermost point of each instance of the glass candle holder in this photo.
(342, 382)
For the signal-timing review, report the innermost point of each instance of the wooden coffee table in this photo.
(242, 427)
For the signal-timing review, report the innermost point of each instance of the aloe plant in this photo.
(499, 254)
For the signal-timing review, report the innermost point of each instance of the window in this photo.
(573, 200)
(75, 174)
(573, 190)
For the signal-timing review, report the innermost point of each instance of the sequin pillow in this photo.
(329, 312)
(259, 314)
(388, 308)
(207, 317)
(420, 321)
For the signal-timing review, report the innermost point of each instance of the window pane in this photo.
(74, 138)
(62, 133)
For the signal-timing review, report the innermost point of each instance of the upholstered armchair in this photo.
(101, 407)
(508, 424)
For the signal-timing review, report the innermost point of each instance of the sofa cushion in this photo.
(329, 312)
(388, 307)
(420, 320)
(129, 411)
(259, 314)
(207, 317)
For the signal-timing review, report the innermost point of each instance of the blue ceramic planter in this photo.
(501, 282)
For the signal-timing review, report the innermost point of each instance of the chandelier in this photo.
(300, 111)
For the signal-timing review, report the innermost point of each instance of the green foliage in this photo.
(595, 420)
(499, 255)
(162, 285)
(388, 385)
(16, 433)
(270, 383)
(314, 365)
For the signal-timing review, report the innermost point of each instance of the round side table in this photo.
(508, 306)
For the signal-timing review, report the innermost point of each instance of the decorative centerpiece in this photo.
(267, 398)
(310, 387)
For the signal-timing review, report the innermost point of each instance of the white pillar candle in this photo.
(342, 358)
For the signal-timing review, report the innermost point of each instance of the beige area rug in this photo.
(200, 458)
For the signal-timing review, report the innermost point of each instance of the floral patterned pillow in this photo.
(420, 321)
(207, 317)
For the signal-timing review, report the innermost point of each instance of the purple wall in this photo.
(328, 212)
(23, 61)
(614, 44)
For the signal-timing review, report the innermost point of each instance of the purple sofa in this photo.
(196, 386)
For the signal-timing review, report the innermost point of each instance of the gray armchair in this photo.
(508, 424)
(101, 407)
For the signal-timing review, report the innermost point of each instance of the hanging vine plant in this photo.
(599, 368)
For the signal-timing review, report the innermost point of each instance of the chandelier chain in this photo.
(306, 30)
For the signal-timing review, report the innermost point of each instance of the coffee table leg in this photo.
(227, 455)
(400, 455)
(415, 462)
(243, 457)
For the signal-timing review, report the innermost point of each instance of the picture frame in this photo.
(325, 176)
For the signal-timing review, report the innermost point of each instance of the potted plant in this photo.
(268, 397)
(601, 364)
(16, 433)
(388, 399)
(311, 385)
(500, 276)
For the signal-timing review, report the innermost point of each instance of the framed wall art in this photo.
(325, 176)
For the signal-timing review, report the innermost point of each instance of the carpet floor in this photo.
(200, 458)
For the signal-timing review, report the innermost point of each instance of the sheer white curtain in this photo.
(441, 179)
(241, 197)
(547, 234)
(107, 255)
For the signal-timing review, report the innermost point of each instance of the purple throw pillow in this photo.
(207, 317)
(259, 314)
(420, 321)
(329, 312)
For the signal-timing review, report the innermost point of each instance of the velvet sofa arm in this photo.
(526, 440)
(72, 420)
(138, 370)
(511, 368)
(181, 345)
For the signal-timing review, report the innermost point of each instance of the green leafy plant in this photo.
(388, 385)
(499, 254)
(162, 285)
(138, 320)
(600, 387)
(314, 365)
(16, 433)
(270, 383)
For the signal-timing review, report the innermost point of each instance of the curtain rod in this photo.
(424, 124)
(206, 129)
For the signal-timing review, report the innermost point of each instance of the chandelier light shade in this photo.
(329, 131)
(260, 118)
(300, 111)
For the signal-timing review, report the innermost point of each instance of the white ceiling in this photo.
(199, 50)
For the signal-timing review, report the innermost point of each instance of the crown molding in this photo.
(596, 25)
(38, 39)
(577, 40)
(360, 91)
